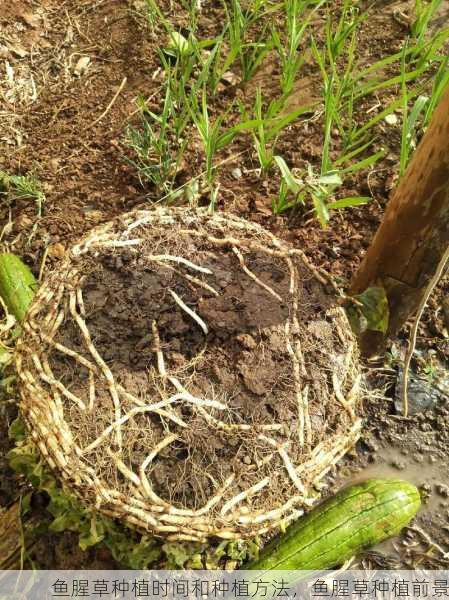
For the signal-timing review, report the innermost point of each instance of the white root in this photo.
(157, 349)
(244, 495)
(253, 276)
(180, 260)
(189, 311)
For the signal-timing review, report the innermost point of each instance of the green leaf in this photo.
(65, 521)
(179, 553)
(276, 124)
(349, 201)
(293, 184)
(365, 163)
(331, 178)
(237, 550)
(321, 210)
(17, 430)
(375, 308)
(5, 357)
(93, 535)
(179, 43)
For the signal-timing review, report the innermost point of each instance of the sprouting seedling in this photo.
(250, 53)
(424, 12)
(320, 189)
(264, 151)
(20, 187)
(212, 134)
(288, 45)
(158, 144)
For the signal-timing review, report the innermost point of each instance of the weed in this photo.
(320, 189)
(424, 12)
(18, 187)
(238, 24)
(193, 7)
(267, 124)
(409, 128)
(154, 14)
(212, 135)
(157, 144)
(440, 82)
(264, 152)
(297, 20)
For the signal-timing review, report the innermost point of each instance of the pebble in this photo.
(237, 173)
(247, 459)
(422, 397)
(247, 341)
(56, 250)
(81, 66)
(19, 51)
(391, 119)
(425, 487)
(443, 490)
(371, 444)
(22, 222)
(398, 464)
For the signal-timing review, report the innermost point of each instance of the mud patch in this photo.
(414, 449)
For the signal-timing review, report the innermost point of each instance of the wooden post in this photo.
(414, 232)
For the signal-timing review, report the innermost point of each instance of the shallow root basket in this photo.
(188, 375)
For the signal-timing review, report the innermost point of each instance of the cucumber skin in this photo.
(356, 518)
(17, 285)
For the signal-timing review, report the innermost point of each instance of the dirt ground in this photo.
(62, 63)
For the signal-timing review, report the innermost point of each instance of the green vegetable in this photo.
(356, 518)
(17, 285)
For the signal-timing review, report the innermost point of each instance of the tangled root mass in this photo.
(187, 374)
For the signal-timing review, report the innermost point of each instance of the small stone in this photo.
(81, 66)
(236, 173)
(422, 397)
(230, 78)
(398, 464)
(22, 222)
(443, 490)
(53, 163)
(247, 341)
(56, 250)
(246, 459)
(391, 119)
(371, 444)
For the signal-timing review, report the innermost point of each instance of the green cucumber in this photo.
(17, 285)
(355, 519)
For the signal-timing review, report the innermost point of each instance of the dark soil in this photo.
(81, 162)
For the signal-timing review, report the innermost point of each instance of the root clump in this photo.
(189, 375)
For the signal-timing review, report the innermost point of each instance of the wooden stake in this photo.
(414, 233)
